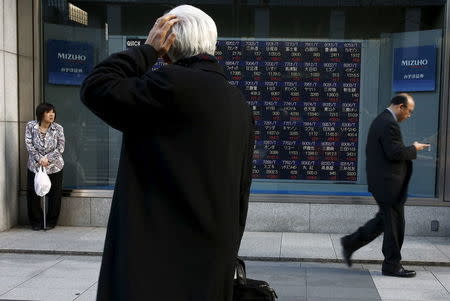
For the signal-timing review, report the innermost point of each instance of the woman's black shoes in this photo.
(37, 228)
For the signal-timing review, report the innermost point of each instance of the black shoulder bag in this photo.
(245, 289)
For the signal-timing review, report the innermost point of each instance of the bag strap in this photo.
(240, 271)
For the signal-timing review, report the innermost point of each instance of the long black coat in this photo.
(389, 165)
(181, 195)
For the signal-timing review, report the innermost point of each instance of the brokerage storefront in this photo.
(316, 74)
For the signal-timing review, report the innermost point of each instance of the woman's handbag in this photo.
(245, 289)
(42, 183)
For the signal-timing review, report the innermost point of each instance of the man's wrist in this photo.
(150, 54)
(150, 50)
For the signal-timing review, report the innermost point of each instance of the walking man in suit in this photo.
(389, 169)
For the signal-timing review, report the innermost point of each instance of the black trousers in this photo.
(389, 220)
(53, 197)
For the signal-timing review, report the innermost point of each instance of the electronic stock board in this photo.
(305, 98)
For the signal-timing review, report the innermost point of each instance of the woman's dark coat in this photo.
(181, 195)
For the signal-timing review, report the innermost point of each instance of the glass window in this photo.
(315, 74)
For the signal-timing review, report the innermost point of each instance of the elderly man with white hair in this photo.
(181, 196)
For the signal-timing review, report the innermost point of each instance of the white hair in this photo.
(196, 33)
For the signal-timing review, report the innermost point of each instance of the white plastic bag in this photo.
(42, 182)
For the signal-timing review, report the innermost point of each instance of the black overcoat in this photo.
(181, 196)
(388, 165)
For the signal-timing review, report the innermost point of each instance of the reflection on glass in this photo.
(315, 77)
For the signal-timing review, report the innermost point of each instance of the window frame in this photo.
(443, 170)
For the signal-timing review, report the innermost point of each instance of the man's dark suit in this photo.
(389, 169)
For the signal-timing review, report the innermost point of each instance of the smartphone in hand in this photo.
(428, 145)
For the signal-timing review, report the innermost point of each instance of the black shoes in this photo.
(401, 272)
(38, 227)
(346, 253)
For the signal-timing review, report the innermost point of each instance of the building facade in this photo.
(315, 72)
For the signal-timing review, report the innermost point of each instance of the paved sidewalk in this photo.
(271, 246)
(54, 277)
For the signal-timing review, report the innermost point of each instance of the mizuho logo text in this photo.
(415, 63)
(72, 57)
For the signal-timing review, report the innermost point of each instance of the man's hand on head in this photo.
(158, 36)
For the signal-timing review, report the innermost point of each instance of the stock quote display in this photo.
(305, 98)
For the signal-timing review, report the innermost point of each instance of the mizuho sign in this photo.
(414, 69)
(72, 57)
(423, 62)
(68, 62)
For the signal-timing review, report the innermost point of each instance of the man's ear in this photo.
(166, 58)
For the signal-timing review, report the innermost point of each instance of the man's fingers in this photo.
(161, 21)
(168, 25)
(158, 36)
(168, 42)
(169, 17)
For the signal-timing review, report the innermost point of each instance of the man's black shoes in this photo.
(346, 253)
(36, 227)
(401, 272)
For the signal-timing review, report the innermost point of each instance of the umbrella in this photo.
(42, 185)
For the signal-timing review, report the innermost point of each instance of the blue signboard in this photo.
(414, 69)
(68, 62)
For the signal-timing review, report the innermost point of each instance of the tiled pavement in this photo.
(300, 266)
(61, 278)
(272, 246)
(48, 277)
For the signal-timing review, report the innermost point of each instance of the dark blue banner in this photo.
(68, 62)
(414, 69)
